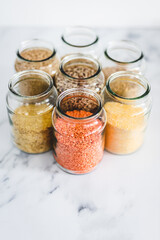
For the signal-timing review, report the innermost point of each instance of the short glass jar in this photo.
(79, 70)
(37, 54)
(79, 39)
(79, 122)
(127, 101)
(30, 102)
(122, 55)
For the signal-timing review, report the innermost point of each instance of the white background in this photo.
(109, 13)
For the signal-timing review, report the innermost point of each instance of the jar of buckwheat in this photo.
(37, 54)
(77, 71)
(122, 55)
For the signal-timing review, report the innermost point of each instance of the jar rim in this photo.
(79, 56)
(79, 28)
(133, 44)
(129, 74)
(35, 40)
(79, 91)
(14, 80)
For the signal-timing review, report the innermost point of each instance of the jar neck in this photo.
(128, 87)
(123, 52)
(36, 44)
(79, 59)
(80, 99)
(79, 37)
(31, 85)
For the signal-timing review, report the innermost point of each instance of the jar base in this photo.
(74, 172)
(128, 153)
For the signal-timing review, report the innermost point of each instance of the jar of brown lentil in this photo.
(79, 70)
(79, 122)
(122, 55)
(37, 54)
(30, 101)
(78, 39)
(127, 102)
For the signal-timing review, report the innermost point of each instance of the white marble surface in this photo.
(118, 201)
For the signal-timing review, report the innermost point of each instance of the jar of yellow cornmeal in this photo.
(127, 101)
(30, 101)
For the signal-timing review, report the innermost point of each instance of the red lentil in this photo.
(80, 144)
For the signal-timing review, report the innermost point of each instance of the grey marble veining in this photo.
(118, 201)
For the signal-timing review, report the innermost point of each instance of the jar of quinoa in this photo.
(79, 40)
(77, 71)
(122, 55)
(127, 102)
(30, 101)
(79, 122)
(37, 54)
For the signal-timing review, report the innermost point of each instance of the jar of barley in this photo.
(37, 54)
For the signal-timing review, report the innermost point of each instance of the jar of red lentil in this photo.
(122, 55)
(37, 54)
(79, 122)
(77, 71)
(30, 101)
(79, 40)
(127, 101)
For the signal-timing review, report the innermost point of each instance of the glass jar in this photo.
(79, 71)
(127, 101)
(122, 55)
(37, 54)
(30, 102)
(79, 40)
(79, 121)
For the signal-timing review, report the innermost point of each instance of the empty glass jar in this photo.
(30, 102)
(79, 121)
(122, 55)
(79, 40)
(37, 54)
(79, 71)
(127, 101)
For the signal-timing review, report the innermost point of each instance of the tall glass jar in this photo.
(79, 121)
(37, 54)
(79, 70)
(127, 101)
(122, 55)
(79, 40)
(30, 102)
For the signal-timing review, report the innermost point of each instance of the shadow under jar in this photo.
(122, 55)
(30, 102)
(127, 102)
(77, 71)
(37, 54)
(79, 40)
(79, 121)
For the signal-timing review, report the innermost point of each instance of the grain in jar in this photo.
(127, 102)
(122, 55)
(30, 101)
(37, 54)
(79, 121)
(77, 71)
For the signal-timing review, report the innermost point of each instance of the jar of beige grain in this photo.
(37, 54)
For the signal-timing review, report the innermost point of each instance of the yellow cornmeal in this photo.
(125, 128)
(32, 128)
